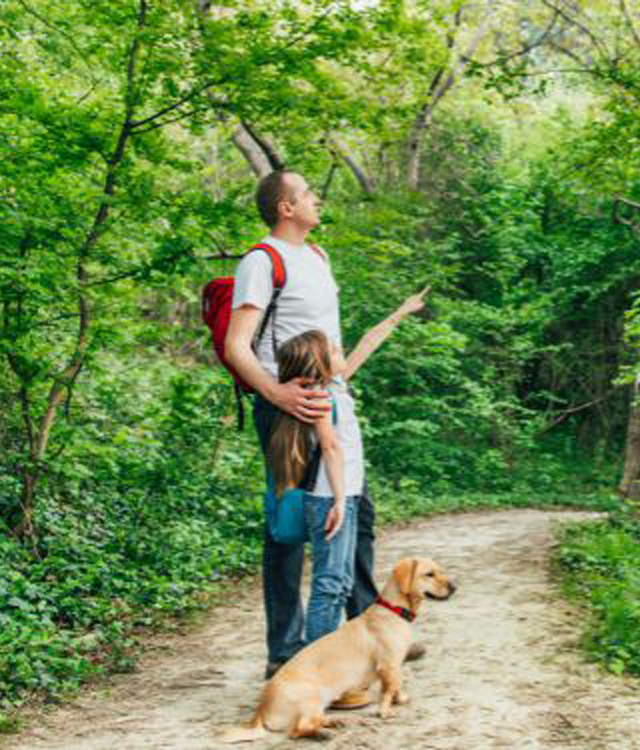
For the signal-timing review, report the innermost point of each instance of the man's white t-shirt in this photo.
(309, 299)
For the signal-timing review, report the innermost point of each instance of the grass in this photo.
(600, 565)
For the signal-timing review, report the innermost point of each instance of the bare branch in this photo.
(205, 87)
(177, 104)
(365, 180)
(178, 118)
(267, 149)
(572, 21)
(561, 416)
(326, 186)
(253, 154)
(633, 224)
(437, 90)
(630, 23)
(524, 50)
(628, 202)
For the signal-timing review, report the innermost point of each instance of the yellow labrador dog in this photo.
(368, 648)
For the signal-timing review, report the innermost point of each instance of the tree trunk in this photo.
(420, 127)
(64, 380)
(364, 179)
(437, 90)
(251, 151)
(23, 525)
(272, 156)
(630, 484)
(324, 193)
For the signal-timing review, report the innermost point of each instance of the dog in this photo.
(366, 649)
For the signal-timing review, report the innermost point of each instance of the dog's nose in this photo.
(452, 588)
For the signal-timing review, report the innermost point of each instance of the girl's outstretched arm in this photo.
(334, 463)
(380, 333)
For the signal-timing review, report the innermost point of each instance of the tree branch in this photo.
(177, 104)
(202, 89)
(600, 46)
(573, 410)
(326, 185)
(524, 50)
(267, 149)
(437, 90)
(339, 148)
(618, 218)
(630, 23)
(64, 379)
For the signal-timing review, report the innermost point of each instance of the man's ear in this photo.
(404, 573)
(284, 209)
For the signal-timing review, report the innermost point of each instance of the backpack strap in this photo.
(279, 278)
(319, 252)
(279, 270)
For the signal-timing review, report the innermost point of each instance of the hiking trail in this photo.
(503, 668)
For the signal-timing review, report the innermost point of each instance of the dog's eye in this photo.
(430, 574)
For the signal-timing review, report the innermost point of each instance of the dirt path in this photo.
(502, 667)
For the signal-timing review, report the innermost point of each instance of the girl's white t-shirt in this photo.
(309, 299)
(350, 439)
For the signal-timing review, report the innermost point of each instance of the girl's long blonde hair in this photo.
(306, 356)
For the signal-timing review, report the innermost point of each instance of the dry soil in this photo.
(503, 667)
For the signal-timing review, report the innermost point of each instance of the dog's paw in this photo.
(385, 712)
(333, 722)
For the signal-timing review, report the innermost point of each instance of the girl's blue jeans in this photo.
(332, 572)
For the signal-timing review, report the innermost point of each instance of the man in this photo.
(309, 300)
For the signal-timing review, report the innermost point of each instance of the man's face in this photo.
(300, 204)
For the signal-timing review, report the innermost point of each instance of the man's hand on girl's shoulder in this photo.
(301, 402)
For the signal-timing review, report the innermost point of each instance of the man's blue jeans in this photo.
(332, 564)
(282, 567)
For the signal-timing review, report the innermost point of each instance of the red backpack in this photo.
(216, 308)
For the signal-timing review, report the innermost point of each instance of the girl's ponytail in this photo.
(289, 451)
(304, 356)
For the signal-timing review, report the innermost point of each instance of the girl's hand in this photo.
(414, 303)
(335, 518)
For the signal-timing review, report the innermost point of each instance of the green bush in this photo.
(600, 561)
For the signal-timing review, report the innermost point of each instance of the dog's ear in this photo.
(404, 573)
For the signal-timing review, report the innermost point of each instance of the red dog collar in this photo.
(406, 614)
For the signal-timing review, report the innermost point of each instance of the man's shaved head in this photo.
(273, 189)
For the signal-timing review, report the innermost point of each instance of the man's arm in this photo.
(291, 397)
(380, 333)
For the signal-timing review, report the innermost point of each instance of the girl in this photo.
(331, 499)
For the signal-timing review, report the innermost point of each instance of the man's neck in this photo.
(292, 234)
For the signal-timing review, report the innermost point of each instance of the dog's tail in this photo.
(255, 730)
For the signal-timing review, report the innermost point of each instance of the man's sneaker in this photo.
(352, 700)
(272, 668)
(416, 651)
